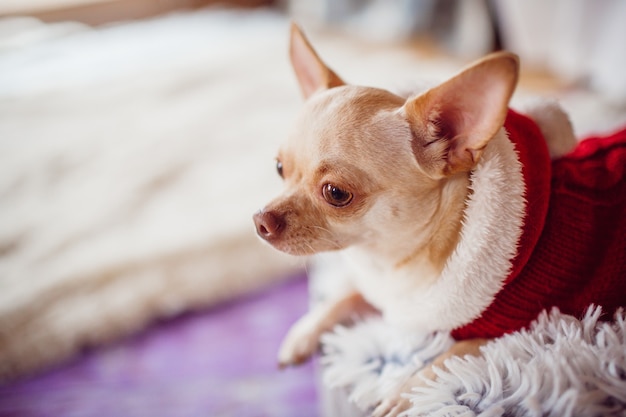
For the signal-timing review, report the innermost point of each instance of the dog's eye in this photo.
(279, 168)
(336, 196)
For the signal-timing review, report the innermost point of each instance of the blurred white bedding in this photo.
(131, 160)
(132, 157)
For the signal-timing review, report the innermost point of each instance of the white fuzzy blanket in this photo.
(132, 157)
(561, 366)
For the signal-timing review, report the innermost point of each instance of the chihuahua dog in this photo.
(425, 196)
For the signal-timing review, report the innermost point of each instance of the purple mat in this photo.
(220, 362)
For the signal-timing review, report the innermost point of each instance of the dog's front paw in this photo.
(392, 407)
(301, 342)
(396, 403)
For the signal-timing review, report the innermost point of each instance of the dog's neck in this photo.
(434, 245)
(445, 225)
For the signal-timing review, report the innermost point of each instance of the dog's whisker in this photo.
(334, 244)
(320, 228)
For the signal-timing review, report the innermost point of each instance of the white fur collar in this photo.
(482, 260)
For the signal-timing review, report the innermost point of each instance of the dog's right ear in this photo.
(312, 73)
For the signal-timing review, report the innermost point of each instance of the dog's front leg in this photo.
(396, 404)
(302, 340)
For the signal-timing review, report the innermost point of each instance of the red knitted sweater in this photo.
(572, 252)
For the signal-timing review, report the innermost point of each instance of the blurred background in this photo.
(137, 138)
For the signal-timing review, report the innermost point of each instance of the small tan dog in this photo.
(386, 180)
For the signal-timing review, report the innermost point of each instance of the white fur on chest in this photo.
(392, 291)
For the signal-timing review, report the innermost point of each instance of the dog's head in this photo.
(364, 165)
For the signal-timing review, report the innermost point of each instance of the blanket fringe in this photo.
(560, 366)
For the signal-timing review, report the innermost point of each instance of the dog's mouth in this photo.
(294, 249)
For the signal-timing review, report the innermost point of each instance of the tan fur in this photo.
(404, 164)
(311, 71)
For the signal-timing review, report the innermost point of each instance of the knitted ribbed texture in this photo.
(580, 256)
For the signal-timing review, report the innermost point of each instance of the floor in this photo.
(219, 362)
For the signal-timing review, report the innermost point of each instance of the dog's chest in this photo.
(395, 292)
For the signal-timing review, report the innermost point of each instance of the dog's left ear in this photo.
(312, 73)
(453, 122)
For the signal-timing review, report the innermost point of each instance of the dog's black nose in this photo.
(269, 225)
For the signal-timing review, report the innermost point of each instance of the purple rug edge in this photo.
(216, 362)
